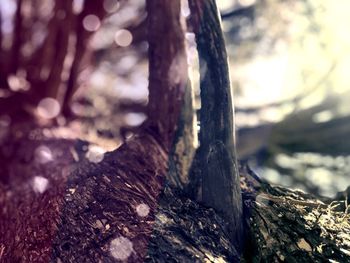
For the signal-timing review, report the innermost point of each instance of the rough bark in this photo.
(167, 68)
(217, 157)
(292, 226)
(184, 147)
(109, 193)
(87, 205)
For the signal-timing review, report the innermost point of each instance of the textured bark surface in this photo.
(184, 145)
(217, 157)
(167, 67)
(28, 218)
(86, 211)
(104, 204)
(292, 226)
(185, 231)
(68, 209)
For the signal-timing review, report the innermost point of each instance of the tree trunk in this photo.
(184, 148)
(167, 68)
(217, 156)
(84, 210)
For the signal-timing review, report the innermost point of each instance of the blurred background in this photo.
(289, 69)
(289, 62)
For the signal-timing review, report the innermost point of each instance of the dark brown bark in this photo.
(167, 67)
(61, 42)
(82, 54)
(17, 40)
(110, 192)
(217, 156)
(83, 196)
(183, 150)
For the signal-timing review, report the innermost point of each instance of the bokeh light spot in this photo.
(5, 121)
(91, 23)
(134, 119)
(18, 83)
(43, 154)
(121, 248)
(48, 108)
(78, 6)
(142, 210)
(123, 38)
(95, 154)
(40, 184)
(111, 6)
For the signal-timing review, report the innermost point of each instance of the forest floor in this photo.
(63, 200)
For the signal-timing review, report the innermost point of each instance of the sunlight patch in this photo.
(142, 210)
(48, 108)
(123, 38)
(40, 184)
(121, 248)
(91, 23)
(95, 154)
(43, 154)
(134, 119)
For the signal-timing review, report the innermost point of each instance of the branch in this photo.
(247, 11)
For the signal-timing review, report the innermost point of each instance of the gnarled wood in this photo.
(87, 205)
(217, 157)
